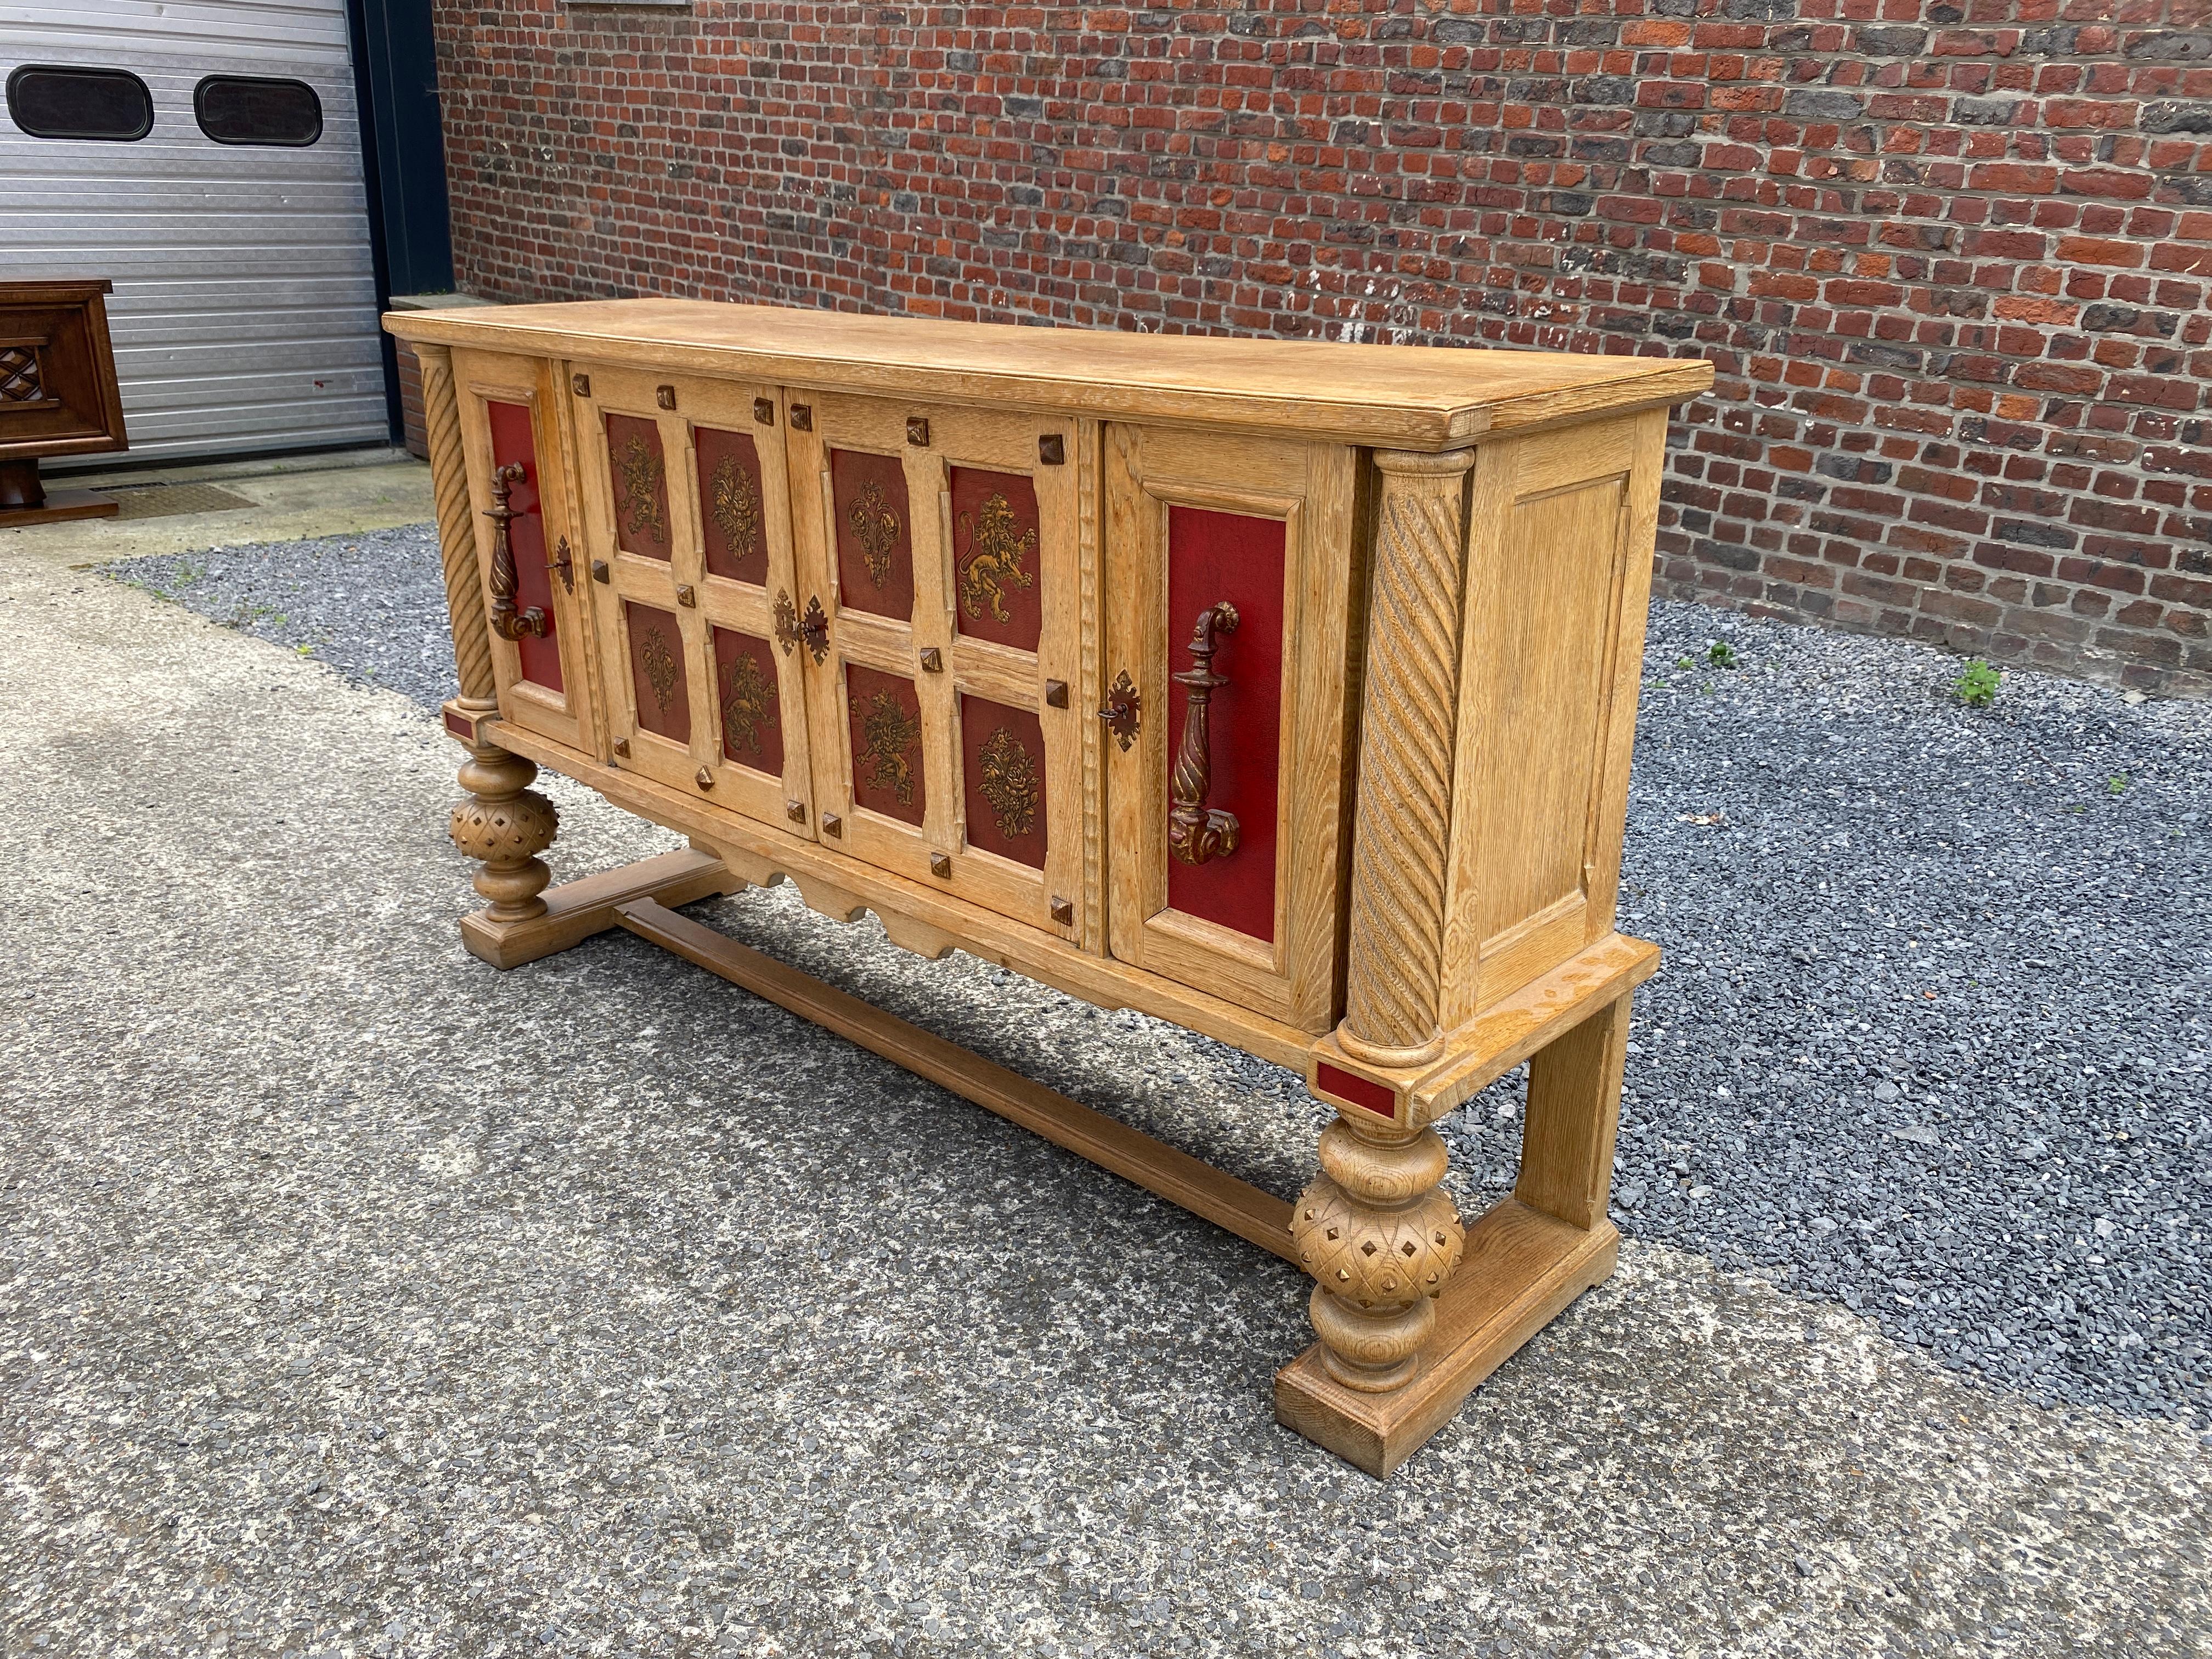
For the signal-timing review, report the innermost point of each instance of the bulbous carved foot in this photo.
(1379, 1239)
(506, 824)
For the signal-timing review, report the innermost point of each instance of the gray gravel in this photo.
(358, 1300)
(371, 605)
(1933, 1031)
(1930, 1041)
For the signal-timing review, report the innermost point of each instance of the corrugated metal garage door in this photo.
(244, 305)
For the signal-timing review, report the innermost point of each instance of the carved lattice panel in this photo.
(20, 380)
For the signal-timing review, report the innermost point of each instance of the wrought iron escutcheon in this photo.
(814, 629)
(786, 621)
(1123, 710)
(564, 565)
(506, 620)
(1197, 832)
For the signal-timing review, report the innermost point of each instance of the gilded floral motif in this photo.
(659, 661)
(997, 545)
(638, 479)
(1007, 778)
(736, 505)
(747, 695)
(889, 737)
(876, 528)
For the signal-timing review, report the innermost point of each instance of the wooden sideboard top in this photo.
(1408, 397)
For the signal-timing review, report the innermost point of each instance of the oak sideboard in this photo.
(1284, 690)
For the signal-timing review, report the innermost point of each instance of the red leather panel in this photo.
(874, 531)
(1213, 556)
(512, 440)
(656, 670)
(1002, 779)
(732, 511)
(995, 557)
(886, 724)
(745, 696)
(640, 480)
(1357, 1090)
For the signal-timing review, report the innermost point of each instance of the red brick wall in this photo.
(1948, 256)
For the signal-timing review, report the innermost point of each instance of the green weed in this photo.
(1977, 687)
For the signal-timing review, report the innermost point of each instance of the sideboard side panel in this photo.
(1625, 673)
(1554, 524)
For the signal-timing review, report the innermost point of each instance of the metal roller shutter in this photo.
(244, 305)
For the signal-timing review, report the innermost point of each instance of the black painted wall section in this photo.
(404, 156)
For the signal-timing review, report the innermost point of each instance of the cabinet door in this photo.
(510, 419)
(1237, 719)
(940, 544)
(688, 532)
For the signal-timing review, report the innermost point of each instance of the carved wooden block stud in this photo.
(1363, 819)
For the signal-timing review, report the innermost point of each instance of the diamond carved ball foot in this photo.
(505, 824)
(1379, 1239)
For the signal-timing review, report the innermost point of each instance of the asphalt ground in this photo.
(1931, 1040)
(359, 1299)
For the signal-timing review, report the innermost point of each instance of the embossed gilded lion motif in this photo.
(889, 737)
(746, 694)
(996, 547)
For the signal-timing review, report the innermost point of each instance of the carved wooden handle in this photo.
(506, 620)
(1197, 832)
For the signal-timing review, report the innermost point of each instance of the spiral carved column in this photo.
(1396, 967)
(1374, 1230)
(1379, 1239)
(457, 530)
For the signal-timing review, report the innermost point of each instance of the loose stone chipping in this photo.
(1930, 1039)
(359, 1299)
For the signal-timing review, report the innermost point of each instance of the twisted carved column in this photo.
(1374, 1228)
(503, 821)
(457, 530)
(1396, 967)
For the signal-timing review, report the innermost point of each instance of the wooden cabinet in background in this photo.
(1284, 690)
(58, 395)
